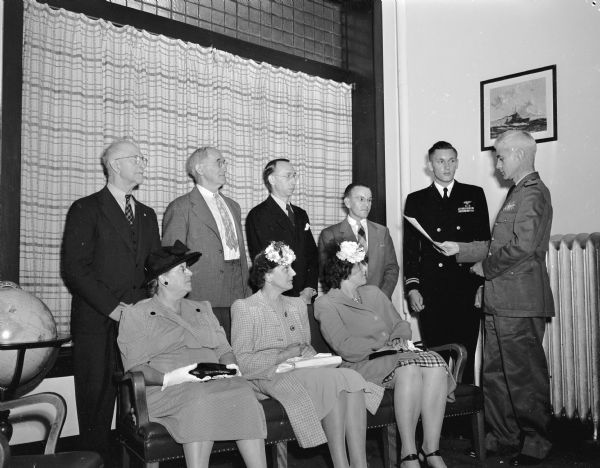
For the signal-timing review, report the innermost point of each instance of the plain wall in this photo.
(436, 54)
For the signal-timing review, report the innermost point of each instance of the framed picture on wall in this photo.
(521, 101)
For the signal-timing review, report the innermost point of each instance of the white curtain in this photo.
(87, 82)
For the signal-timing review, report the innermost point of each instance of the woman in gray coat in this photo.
(164, 337)
(360, 323)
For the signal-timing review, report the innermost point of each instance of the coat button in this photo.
(439, 229)
(197, 310)
(489, 254)
(440, 265)
(292, 328)
(458, 228)
(152, 313)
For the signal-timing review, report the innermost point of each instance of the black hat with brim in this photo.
(162, 260)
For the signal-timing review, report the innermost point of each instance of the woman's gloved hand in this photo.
(179, 376)
(236, 367)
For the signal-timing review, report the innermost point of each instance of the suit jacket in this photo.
(463, 218)
(383, 268)
(516, 278)
(189, 219)
(267, 222)
(356, 330)
(103, 258)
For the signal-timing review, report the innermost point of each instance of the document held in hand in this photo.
(419, 228)
(318, 360)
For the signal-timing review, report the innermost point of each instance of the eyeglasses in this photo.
(221, 163)
(289, 176)
(139, 159)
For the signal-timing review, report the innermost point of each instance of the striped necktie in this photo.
(362, 238)
(128, 209)
(290, 213)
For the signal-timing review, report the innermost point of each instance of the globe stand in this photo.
(9, 392)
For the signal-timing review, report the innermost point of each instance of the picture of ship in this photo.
(516, 121)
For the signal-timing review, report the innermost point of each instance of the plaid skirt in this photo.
(415, 358)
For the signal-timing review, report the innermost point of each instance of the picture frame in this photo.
(521, 101)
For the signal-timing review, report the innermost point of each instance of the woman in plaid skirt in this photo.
(360, 323)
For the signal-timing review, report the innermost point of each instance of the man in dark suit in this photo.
(440, 289)
(211, 223)
(518, 300)
(107, 237)
(382, 266)
(276, 219)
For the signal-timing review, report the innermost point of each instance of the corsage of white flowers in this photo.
(351, 252)
(280, 253)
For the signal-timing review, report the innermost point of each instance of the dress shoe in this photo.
(524, 460)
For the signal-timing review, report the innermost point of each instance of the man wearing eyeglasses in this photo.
(209, 222)
(107, 237)
(276, 219)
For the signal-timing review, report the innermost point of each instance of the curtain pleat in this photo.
(87, 82)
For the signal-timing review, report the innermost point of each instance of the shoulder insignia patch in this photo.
(509, 206)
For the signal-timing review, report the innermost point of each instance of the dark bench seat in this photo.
(150, 443)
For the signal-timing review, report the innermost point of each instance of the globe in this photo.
(24, 318)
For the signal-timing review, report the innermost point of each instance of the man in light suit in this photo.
(517, 303)
(382, 266)
(276, 219)
(107, 237)
(210, 223)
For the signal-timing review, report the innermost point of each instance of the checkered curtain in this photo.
(87, 82)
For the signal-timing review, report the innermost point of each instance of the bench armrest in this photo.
(132, 406)
(458, 356)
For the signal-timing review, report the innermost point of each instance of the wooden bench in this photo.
(149, 442)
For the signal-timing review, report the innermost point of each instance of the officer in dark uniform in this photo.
(438, 288)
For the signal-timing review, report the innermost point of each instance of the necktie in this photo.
(128, 209)
(230, 237)
(290, 213)
(445, 197)
(362, 238)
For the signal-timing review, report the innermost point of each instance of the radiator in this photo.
(571, 342)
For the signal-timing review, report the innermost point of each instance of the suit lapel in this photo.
(279, 216)
(202, 211)
(338, 296)
(112, 211)
(346, 232)
(142, 229)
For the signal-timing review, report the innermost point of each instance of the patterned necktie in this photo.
(445, 197)
(290, 213)
(362, 238)
(230, 237)
(128, 209)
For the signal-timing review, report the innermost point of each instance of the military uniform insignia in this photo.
(509, 206)
(466, 208)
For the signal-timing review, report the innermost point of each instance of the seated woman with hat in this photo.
(360, 323)
(164, 337)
